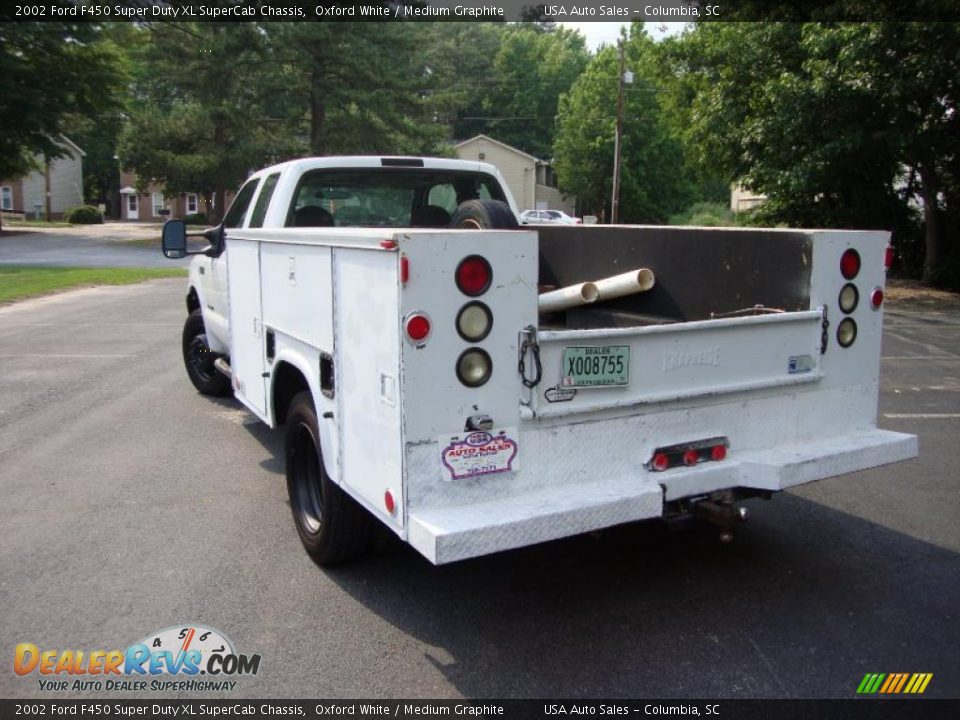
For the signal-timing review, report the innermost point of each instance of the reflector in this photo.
(876, 298)
(418, 327)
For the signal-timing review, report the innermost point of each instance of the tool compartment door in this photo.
(246, 325)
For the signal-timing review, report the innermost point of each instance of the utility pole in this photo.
(615, 205)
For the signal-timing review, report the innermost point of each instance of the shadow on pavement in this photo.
(803, 603)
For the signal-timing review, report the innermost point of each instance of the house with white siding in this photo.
(61, 180)
(531, 180)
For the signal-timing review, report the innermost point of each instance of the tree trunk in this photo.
(219, 191)
(318, 115)
(935, 242)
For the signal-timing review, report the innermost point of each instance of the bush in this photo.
(708, 214)
(195, 219)
(83, 215)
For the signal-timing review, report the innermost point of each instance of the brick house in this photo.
(154, 205)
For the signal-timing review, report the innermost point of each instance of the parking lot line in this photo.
(922, 416)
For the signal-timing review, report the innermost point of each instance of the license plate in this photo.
(596, 366)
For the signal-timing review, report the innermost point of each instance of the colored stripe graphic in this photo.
(894, 683)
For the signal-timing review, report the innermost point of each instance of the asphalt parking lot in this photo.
(130, 503)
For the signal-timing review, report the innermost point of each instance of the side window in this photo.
(263, 200)
(234, 216)
(443, 196)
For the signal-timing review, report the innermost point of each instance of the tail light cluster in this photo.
(849, 297)
(688, 454)
(474, 276)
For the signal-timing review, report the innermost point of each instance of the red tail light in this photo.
(418, 327)
(876, 298)
(474, 275)
(688, 454)
(850, 264)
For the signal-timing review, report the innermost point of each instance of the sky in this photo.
(598, 33)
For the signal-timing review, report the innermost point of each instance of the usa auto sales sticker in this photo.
(479, 453)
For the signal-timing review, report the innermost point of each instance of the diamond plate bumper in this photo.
(450, 533)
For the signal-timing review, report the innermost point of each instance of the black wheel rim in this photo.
(308, 495)
(200, 358)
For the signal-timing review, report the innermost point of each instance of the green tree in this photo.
(363, 87)
(531, 70)
(205, 112)
(847, 125)
(653, 178)
(460, 59)
(52, 72)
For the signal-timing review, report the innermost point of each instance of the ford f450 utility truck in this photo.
(475, 387)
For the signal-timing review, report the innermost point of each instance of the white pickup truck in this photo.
(475, 387)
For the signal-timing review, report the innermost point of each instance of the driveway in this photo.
(107, 245)
(131, 504)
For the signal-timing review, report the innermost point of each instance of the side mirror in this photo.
(174, 239)
(215, 236)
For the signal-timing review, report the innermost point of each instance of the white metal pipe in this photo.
(570, 296)
(627, 283)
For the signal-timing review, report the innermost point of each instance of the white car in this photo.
(548, 217)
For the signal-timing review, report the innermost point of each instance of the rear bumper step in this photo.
(447, 534)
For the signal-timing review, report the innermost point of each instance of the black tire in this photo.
(332, 526)
(484, 215)
(199, 358)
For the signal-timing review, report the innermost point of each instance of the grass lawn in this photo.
(22, 281)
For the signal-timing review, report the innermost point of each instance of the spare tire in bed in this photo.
(484, 215)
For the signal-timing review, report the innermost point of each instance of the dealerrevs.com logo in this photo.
(180, 658)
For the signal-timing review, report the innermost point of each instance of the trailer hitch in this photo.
(721, 510)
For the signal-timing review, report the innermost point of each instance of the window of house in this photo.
(6, 197)
(192, 203)
(131, 203)
(158, 205)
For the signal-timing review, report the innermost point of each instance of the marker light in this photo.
(661, 461)
(690, 457)
(876, 298)
(846, 332)
(850, 264)
(718, 452)
(474, 367)
(849, 297)
(389, 503)
(418, 327)
(474, 321)
(888, 257)
(474, 275)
